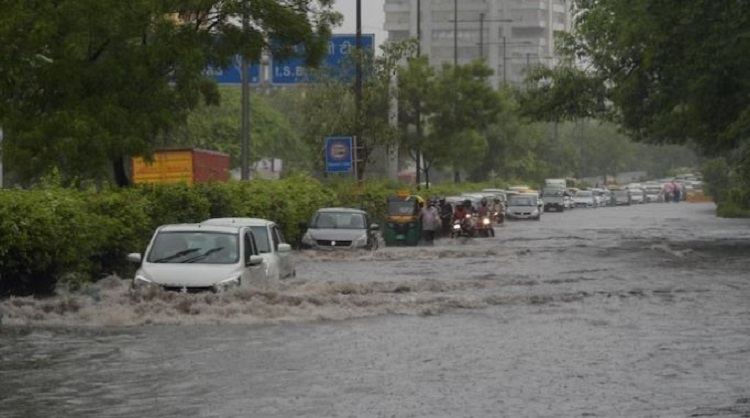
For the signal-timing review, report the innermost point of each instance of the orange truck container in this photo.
(182, 165)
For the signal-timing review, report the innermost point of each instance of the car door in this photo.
(252, 274)
(285, 258)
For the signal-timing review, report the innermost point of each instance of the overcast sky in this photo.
(372, 18)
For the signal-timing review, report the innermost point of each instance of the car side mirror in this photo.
(374, 227)
(284, 248)
(255, 260)
(134, 258)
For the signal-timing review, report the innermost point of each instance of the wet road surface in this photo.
(629, 311)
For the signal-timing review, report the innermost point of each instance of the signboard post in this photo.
(341, 47)
(232, 75)
(340, 154)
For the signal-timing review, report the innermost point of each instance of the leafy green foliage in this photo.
(86, 83)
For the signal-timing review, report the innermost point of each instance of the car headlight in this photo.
(361, 241)
(486, 221)
(535, 211)
(141, 282)
(227, 284)
(307, 239)
(456, 226)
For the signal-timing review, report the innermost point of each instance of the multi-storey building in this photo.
(511, 35)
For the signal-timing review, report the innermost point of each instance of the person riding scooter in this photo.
(497, 211)
(484, 223)
(464, 219)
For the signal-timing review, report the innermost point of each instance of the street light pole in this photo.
(358, 90)
(455, 34)
(505, 62)
(481, 35)
(419, 104)
(245, 87)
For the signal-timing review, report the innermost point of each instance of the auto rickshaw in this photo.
(403, 224)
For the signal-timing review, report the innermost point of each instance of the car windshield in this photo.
(262, 238)
(401, 208)
(195, 247)
(584, 193)
(338, 220)
(522, 201)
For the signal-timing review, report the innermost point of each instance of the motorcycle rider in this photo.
(463, 216)
(484, 212)
(446, 216)
(497, 210)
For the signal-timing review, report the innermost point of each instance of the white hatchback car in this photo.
(194, 257)
(276, 252)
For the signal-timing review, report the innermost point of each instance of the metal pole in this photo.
(481, 35)
(245, 167)
(419, 105)
(505, 62)
(455, 33)
(358, 85)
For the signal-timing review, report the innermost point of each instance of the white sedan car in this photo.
(276, 252)
(193, 257)
(585, 199)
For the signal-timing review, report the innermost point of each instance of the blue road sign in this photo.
(232, 73)
(339, 154)
(340, 47)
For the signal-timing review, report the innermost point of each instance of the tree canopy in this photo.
(664, 71)
(86, 83)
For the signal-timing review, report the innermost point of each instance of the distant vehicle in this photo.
(194, 257)
(555, 183)
(188, 165)
(554, 199)
(621, 197)
(276, 252)
(341, 228)
(636, 195)
(524, 206)
(585, 199)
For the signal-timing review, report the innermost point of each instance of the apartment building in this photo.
(511, 35)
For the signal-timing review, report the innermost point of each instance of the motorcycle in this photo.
(497, 217)
(463, 227)
(484, 227)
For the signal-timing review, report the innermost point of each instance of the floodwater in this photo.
(640, 311)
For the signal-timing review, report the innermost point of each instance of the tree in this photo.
(86, 83)
(668, 73)
(218, 128)
(329, 106)
(462, 105)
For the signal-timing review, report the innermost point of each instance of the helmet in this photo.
(496, 199)
(484, 201)
(467, 202)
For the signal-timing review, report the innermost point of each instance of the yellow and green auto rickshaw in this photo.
(403, 225)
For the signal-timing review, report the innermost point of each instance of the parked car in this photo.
(524, 206)
(621, 196)
(636, 195)
(340, 228)
(276, 252)
(194, 257)
(585, 199)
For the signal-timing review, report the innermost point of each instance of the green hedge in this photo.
(52, 233)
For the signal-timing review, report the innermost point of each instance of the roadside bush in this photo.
(56, 235)
(716, 177)
(174, 203)
(46, 234)
(124, 226)
(736, 204)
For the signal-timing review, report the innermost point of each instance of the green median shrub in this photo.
(53, 233)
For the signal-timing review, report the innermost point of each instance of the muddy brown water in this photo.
(630, 311)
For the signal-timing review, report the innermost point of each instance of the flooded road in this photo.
(629, 311)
